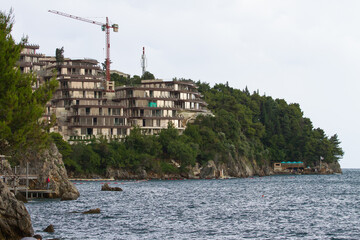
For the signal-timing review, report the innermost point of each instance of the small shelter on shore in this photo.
(288, 166)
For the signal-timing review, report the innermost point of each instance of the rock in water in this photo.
(69, 196)
(15, 221)
(49, 229)
(21, 197)
(92, 211)
(106, 187)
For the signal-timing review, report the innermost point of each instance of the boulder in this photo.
(106, 187)
(67, 196)
(194, 171)
(117, 173)
(49, 229)
(209, 171)
(15, 221)
(21, 197)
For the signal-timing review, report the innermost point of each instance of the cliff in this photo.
(15, 220)
(240, 167)
(49, 163)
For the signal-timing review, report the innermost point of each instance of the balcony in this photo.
(99, 125)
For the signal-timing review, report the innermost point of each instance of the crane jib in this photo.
(104, 27)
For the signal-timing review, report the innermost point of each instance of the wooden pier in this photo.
(20, 183)
(36, 193)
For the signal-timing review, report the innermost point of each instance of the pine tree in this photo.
(21, 107)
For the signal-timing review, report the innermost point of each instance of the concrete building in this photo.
(86, 106)
(29, 62)
(29, 59)
(155, 103)
(83, 102)
(120, 73)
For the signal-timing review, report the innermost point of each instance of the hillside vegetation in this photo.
(247, 125)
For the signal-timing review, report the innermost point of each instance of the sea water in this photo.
(273, 207)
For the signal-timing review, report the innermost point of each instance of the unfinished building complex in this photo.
(155, 103)
(87, 106)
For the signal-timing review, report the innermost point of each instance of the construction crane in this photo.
(105, 27)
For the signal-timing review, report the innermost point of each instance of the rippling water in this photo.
(275, 207)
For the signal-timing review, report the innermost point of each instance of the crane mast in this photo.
(104, 27)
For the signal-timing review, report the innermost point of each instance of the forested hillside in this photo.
(246, 125)
(265, 128)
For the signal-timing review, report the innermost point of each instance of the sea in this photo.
(272, 207)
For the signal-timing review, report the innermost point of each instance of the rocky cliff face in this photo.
(49, 163)
(331, 168)
(239, 167)
(218, 168)
(15, 220)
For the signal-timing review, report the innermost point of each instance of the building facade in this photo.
(86, 106)
(156, 103)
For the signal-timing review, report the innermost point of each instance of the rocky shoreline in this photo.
(212, 170)
(15, 221)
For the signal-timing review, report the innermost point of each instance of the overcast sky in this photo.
(304, 51)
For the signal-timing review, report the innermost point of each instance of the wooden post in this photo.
(27, 180)
(14, 181)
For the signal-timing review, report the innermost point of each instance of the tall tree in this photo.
(20, 106)
(59, 55)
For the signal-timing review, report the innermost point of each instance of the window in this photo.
(87, 110)
(116, 111)
(89, 131)
(120, 131)
(152, 104)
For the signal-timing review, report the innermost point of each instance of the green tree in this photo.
(147, 75)
(59, 55)
(128, 81)
(21, 107)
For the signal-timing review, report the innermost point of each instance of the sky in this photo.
(303, 51)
